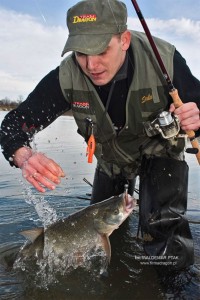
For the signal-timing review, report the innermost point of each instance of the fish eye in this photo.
(116, 211)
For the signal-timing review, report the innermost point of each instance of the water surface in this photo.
(21, 208)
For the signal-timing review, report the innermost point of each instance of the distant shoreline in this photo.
(7, 107)
(10, 107)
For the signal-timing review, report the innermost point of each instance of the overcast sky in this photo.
(33, 34)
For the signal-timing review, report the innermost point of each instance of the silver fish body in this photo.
(79, 237)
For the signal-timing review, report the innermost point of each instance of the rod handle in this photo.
(190, 133)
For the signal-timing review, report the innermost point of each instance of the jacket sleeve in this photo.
(187, 85)
(42, 107)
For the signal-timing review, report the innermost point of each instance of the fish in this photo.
(80, 238)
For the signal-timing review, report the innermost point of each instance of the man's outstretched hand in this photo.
(39, 170)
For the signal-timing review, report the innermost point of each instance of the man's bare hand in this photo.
(39, 170)
(188, 115)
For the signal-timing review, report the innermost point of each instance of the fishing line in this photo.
(99, 128)
(106, 107)
(91, 112)
(118, 26)
(40, 12)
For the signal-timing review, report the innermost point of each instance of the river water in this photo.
(22, 208)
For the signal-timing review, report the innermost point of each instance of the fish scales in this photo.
(74, 240)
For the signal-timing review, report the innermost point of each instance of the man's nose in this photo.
(92, 62)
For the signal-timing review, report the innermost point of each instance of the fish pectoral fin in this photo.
(106, 246)
(32, 234)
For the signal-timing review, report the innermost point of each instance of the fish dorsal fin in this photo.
(106, 246)
(32, 234)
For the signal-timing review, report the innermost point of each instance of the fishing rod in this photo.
(172, 90)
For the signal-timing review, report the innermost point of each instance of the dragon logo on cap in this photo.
(84, 18)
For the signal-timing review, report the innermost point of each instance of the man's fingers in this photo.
(39, 182)
(38, 187)
(188, 115)
(42, 172)
(43, 164)
(45, 173)
(55, 168)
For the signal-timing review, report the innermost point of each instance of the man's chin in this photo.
(99, 81)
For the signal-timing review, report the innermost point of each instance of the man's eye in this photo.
(79, 54)
(103, 53)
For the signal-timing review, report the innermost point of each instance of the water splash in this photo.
(45, 212)
(51, 268)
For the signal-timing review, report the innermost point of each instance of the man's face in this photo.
(102, 68)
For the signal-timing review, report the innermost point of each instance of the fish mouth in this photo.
(128, 203)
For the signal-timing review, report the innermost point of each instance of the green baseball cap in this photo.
(92, 23)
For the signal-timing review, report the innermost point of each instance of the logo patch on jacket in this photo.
(147, 98)
(84, 105)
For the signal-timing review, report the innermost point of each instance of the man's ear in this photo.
(125, 40)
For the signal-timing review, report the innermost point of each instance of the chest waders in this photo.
(105, 187)
(163, 194)
(163, 204)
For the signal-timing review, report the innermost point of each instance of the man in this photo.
(112, 84)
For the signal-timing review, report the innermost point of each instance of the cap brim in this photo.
(87, 44)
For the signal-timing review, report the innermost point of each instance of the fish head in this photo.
(111, 213)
